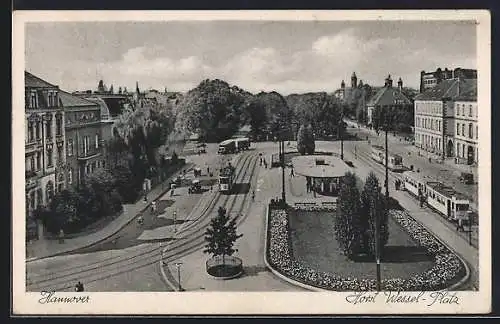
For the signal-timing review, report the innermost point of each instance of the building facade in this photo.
(84, 140)
(429, 80)
(438, 128)
(44, 147)
(388, 96)
(466, 128)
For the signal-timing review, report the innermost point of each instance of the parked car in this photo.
(195, 187)
(467, 178)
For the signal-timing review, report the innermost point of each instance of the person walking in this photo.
(253, 195)
(153, 207)
(291, 172)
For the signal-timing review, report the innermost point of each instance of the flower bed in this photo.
(447, 269)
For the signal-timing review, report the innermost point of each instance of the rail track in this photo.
(192, 238)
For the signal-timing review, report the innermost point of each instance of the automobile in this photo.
(467, 178)
(195, 187)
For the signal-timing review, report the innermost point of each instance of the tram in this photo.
(226, 178)
(242, 143)
(444, 199)
(394, 161)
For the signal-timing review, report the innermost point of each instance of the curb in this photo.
(277, 273)
(186, 167)
(465, 264)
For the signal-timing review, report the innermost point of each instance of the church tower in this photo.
(354, 80)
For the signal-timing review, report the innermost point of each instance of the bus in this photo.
(242, 143)
(227, 147)
(226, 178)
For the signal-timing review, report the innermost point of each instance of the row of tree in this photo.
(357, 214)
(216, 110)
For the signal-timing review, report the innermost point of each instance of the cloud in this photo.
(318, 66)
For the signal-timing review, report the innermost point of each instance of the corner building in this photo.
(44, 147)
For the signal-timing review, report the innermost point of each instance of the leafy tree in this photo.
(373, 208)
(305, 140)
(349, 226)
(221, 235)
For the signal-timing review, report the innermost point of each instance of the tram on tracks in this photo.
(440, 197)
(227, 176)
(394, 161)
(242, 143)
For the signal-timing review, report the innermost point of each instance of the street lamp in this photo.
(281, 143)
(341, 126)
(178, 265)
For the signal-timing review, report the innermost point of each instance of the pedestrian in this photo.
(253, 195)
(208, 170)
(260, 164)
(153, 207)
(291, 173)
(145, 198)
(79, 287)
(460, 225)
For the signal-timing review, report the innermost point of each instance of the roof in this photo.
(389, 96)
(31, 81)
(226, 142)
(446, 190)
(102, 104)
(306, 165)
(451, 88)
(468, 95)
(69, 100)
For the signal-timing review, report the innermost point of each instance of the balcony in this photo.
(89, 156)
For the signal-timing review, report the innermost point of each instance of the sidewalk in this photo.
(45, 248)
(431, 221)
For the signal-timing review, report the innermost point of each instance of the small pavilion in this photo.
(323, 172)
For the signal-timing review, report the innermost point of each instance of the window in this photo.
(463, 110)
(30, 132)
(470, 130)
(70, 176)
(458, 149)
(85, 145)
(38, 130)
(59, 125)
(457, 108)
(38, 161)
(49, 157)
(476, 132)
(96, 141)
(463, 129)
(50, 99)
(70, 147)
(103, 163)
(463, 150)
(32, 163)
(59, 154)
(49, 129)
(470, 110)
(33, 100)
(458, 128)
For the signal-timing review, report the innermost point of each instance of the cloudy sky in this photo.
(289, 57)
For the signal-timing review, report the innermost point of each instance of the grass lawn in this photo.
(314, 243)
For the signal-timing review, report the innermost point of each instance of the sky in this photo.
(284, 56)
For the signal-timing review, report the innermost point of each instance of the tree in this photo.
(221, 235)
(305, 140)
(349, 227)
(373, 206)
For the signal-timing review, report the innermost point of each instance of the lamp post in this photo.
(178, 265)
(281, 143)
(341, 126)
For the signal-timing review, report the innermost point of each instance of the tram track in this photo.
(145, 256)
(380, 169)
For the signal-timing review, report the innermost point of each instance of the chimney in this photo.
(400, 84)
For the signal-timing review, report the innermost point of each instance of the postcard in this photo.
(251, 162)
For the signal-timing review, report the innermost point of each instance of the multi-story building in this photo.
(388, 96)
(466, 128)
(429, 80)
(84, 140)
(435, 118)
(44, 146)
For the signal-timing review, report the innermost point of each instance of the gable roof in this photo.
(451, 88)
(31, 81)
(69, 100)
(388, 96)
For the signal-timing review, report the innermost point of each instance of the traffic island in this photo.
(299, 250)
(227, 267)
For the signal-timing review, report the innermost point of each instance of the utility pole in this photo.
(178, 265)
(341, 126)
(282, 162)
